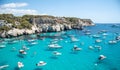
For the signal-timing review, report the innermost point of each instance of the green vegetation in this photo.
(24, 22)
(4, 28)
(72, 19)
(8, 17)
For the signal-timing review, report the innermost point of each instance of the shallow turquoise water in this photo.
(69, 60)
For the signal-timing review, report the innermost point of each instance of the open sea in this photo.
(86, 59)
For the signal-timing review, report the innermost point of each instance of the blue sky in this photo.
(100, 11)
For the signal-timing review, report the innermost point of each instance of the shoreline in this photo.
(30, 24)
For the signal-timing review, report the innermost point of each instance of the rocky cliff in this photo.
(47, 24)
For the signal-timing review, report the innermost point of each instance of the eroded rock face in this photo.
(3, 34)
(15, 32)
(49, 24)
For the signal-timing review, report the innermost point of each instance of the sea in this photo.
(41, 47)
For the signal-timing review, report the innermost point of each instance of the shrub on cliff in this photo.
(25, 24)
(72, 19)
(4, 28)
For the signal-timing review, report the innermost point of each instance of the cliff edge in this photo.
(12, 26)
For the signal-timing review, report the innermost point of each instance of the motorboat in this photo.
(98, 40)
(91, 47)
(33, 43)
(74, 39)
(118, 38)
(54, 46)
(98, 47)
(104, 34)
(31, 40)
(20, 65)
(95, 36)
(101, 57)
(41, 63)
(22, 51)
(25, 48)
(87, 33)
(103, 31)
(75, 48)
(56, 53)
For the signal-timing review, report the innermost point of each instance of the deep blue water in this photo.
(69, 60)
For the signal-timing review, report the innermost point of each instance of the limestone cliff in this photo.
(46, 24)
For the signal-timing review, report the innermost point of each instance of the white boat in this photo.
(20, 65)
(56, 53)
(25, 48)
(54, 46)
(34, 43)
(75, 48)
(91, 47)
(112, 42)
(118, 38)
(101, 57)
(22, 51)
(103, 31)
(96, 46)
(3, 66)
(74, 39)
(87, 33)
(41, 63)
(53, 42)
(98, 40)
(14, 41)
(104, 34)
(31, 40)
(96, 36)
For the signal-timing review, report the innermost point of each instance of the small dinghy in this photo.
(20, 65)
(41, 63)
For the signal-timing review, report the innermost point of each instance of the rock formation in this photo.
(48, 24)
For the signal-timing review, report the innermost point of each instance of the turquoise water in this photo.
(69, 60)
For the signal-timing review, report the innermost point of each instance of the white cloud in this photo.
(15, 8)
(18, 11)
(13, 5)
